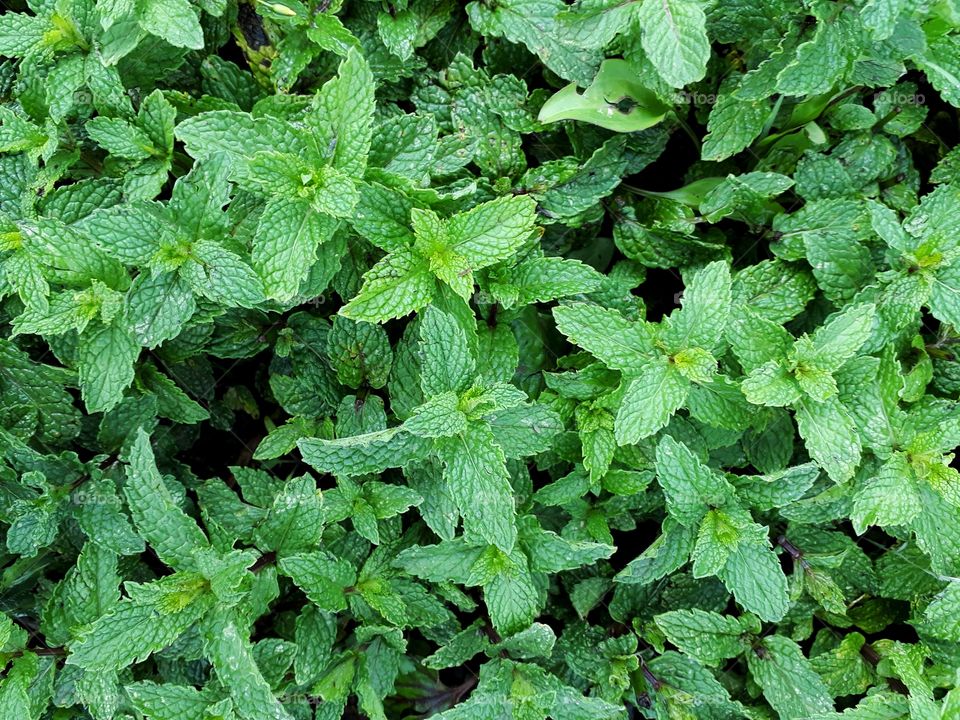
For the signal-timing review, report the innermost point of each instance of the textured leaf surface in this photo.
(649, 401)
(157, 517)
(474, 468)
(106, 361)
(505, 359)
(788, 682)
(675, 39)
(362, 454)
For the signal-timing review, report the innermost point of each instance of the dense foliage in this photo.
(506, 359)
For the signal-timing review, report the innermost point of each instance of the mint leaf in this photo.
(157, 517)
(709, 637)
(492, 231)
(788, 682)
(831, 437)
(649, 401)
(151, 618)
(534, 25)
(106, 359)
(476, 474)
(237, 669)
(288, 235)
(687, 484)
(598, 358)
(675, 39)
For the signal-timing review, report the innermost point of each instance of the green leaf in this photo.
(445, 360)
(175, 21)
(152, 618)
(734, 123)
(447, 561)
(492, 231)
(476, 473)
(103, 521)
(120, 138)
(675, 39)
(294, 522)
(788, 682)
(830, 436)
(359, 352)
(651, 398)
(223, 276)
(362, 454)
(831, 234)
(890, 497)
(401, 283)
(844, 669)
(511, 597)
(703, 316)
(69, 256)
(315, 635)
(168, 701)
(237, 135)
(131, 233)
(663, 556)
(719, 403)
(159, 520)
(945, 295)
(158, 306)
(936, 530)
(606, 334)
(823, 59)
(382, 216)
(343, 115)
(689, 487)
(939, 62)
(172, 402)
(233, 661)
(615, 100)
(322, 577)
(105, 360)
(752, 573)
(440, 416)
(14, 700)
(771, 384)
(551, 553)
(707, 636)
(544, 279)
(839, 339)
(19, 32)
(524, 429)
(567, 194)
(940, 618)
(288, 236)
(533, 24)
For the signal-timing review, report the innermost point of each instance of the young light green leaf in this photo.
(650, 400)
(615, 100)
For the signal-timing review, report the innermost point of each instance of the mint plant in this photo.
(521, 359)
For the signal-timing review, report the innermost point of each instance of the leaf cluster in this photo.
(509, 359)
